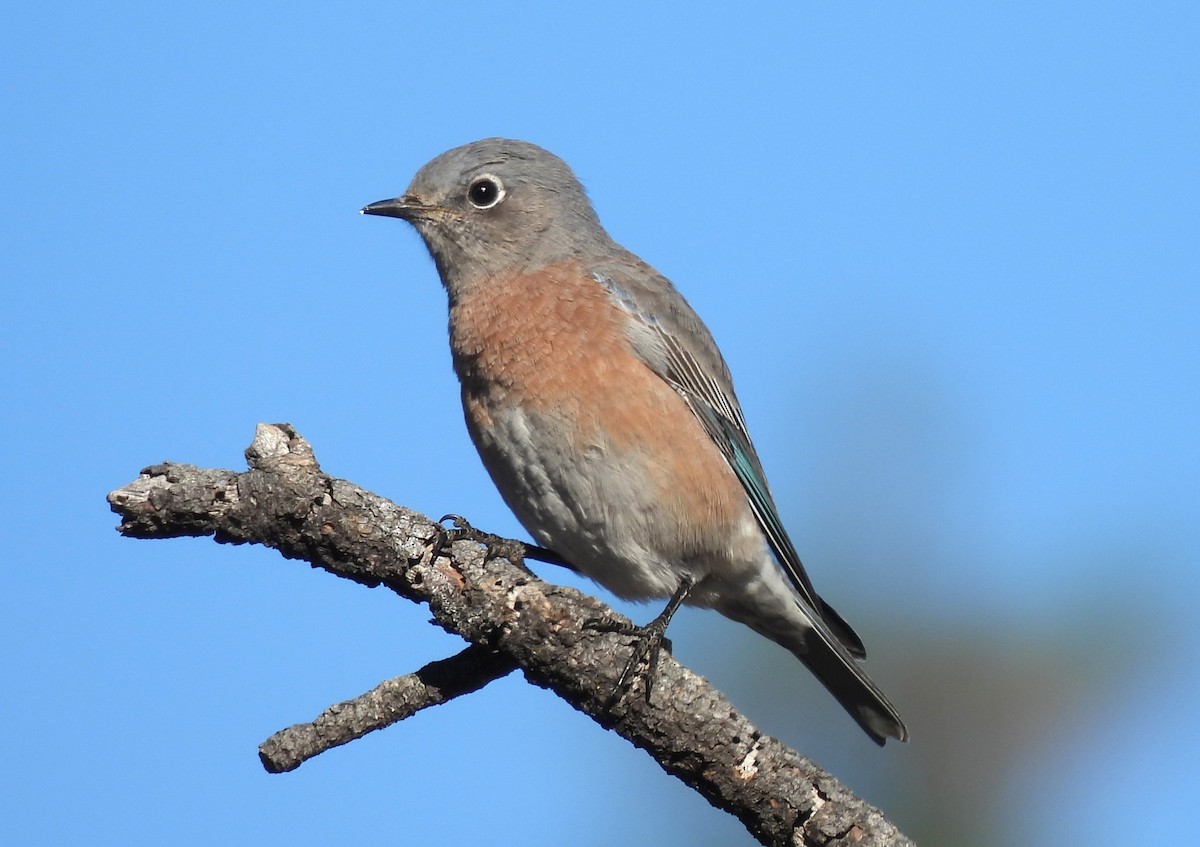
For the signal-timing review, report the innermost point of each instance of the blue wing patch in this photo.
(721, 417)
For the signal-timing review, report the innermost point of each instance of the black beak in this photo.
(398, 207)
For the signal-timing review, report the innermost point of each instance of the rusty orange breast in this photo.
(554, 342)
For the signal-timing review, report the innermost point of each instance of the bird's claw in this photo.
(494, 545)
(643, 663)
(651, 639)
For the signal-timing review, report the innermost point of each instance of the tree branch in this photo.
(385, 704)
(513, 619)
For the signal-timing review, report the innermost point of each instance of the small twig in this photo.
(386, 704)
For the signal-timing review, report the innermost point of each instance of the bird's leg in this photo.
(508, 548)
(495, 546)
(542, 554)
(650, 641)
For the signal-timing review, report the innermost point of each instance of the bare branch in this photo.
(284, 501)
(385, 704)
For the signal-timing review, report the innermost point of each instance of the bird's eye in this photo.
(485, 192)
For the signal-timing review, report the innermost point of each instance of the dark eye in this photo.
(485, 192)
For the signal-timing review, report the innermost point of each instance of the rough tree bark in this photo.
(561, 639)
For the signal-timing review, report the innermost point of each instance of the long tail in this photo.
(808, 637)
(839, 672)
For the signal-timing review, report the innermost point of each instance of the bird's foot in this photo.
(643, 664)
(495, 547)
(651, 638)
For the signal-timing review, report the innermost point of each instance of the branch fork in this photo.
(512, 620)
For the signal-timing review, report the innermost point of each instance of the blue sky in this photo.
(950, 253)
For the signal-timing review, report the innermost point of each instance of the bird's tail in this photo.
(839, 672)
(820, 650)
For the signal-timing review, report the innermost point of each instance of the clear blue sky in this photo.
(951, 254)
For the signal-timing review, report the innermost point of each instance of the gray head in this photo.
(496, 206)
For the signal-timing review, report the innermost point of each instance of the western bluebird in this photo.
(604, 411)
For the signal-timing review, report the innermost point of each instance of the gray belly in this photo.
(591, 505)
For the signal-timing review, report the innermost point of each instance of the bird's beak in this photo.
(399, 207)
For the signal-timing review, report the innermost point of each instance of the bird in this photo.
(605, 414)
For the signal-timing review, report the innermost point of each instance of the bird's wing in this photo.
(669, 337)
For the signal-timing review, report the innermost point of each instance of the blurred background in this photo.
(950, 254)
